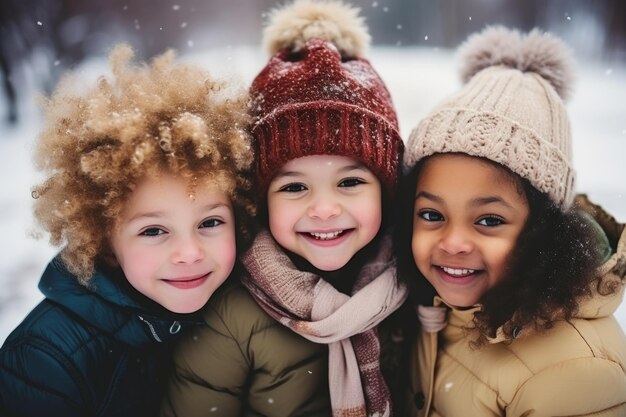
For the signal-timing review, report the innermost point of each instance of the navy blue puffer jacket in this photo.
(97, 351)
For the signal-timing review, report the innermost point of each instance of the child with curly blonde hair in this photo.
(517, 280)
(147, 191)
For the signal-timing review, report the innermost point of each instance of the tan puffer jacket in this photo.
(242, 362)
(577, 368)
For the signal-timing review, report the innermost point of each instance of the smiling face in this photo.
(175, 247)
(468, 215)
(324, 208)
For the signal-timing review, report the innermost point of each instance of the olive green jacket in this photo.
(242, 362)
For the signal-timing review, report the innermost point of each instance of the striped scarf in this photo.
(314, 309)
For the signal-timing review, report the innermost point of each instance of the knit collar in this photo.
(113, 306)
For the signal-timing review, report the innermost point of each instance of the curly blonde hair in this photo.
(164, 117)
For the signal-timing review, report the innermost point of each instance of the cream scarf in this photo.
(314, 309)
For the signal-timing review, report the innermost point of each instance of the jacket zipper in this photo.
(151, 327)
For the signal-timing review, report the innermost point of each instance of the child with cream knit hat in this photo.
(322, 277)
(515, 297)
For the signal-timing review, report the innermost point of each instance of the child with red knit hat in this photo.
(322, 276)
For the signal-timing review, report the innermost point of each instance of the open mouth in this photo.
(458, 272)
(327, 235)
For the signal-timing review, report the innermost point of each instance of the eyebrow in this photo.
(347, 168)
(482, 201)
(476, 202)
(429, 196)
(156, 214)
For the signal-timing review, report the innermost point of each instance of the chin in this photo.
(462, 303)
(185, 308)
(329, 266)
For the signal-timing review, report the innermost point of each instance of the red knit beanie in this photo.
(318, 96)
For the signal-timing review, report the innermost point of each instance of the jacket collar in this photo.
(460, 322)
(112, 305)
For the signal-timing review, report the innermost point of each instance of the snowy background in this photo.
(417, 77)
(413, 54)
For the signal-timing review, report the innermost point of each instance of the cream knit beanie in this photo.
(510, 110)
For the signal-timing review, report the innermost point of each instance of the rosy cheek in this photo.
(137, 261)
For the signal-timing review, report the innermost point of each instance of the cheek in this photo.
(423, 246)
(137, 264)
(228, 250)
(281, 219)
(372, 217)
(502, 255)
(368, 210)
(133, 258)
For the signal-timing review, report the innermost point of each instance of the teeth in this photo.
(458, 272)
(326, 236)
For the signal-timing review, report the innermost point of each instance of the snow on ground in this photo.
(417, 78)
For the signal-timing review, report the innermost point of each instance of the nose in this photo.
(324, 207)
(456, 241)
(187, 250)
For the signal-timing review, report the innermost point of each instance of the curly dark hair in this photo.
(98, 143)
(550, 271)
